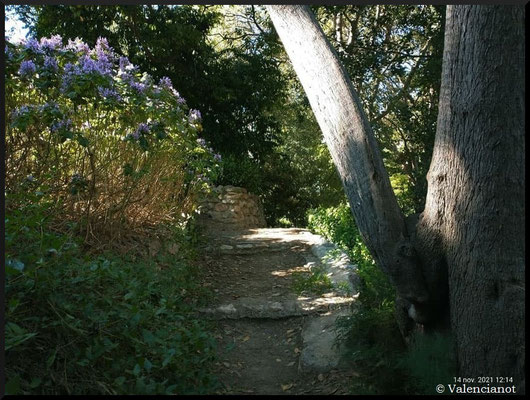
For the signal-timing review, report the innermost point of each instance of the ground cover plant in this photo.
(97, 153)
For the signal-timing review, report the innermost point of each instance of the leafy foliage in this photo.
(236, 84)
(101, 139)
(393, 56)
(316, 281)
(430, 361)
(101, 324)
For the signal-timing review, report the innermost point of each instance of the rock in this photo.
(319, 352)
(230, 204)
(226, 247)
(227, 309)
(220, 207)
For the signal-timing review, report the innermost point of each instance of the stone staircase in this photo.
(249, 245)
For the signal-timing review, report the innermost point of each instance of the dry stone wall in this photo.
(232, 207)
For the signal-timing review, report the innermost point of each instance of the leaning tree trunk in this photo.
(352, 145)
(470, 237)
(472, 228)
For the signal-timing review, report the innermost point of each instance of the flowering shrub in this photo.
(101, 138)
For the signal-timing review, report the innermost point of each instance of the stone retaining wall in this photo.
(232, 207)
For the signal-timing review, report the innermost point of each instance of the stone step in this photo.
(249, 307)
(319, 349)
(246, 248)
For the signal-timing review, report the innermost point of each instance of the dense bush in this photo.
(78, 324)
(99, 138)
(93, 146)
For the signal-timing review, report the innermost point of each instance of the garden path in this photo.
(271, 340)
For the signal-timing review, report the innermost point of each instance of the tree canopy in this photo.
(228, 63)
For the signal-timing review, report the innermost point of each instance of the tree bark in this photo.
(472, 228)
(469, 240)
(352, 146)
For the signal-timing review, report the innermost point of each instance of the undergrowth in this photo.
(79, 323)
(373, 341)
(316, 281)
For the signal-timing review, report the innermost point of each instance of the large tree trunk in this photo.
(470, 237)
(473, 222)
(352, 145)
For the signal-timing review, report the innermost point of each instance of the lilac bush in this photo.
(93, 115)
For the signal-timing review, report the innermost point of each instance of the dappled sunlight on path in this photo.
(273, 339)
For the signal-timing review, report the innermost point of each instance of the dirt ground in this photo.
(261, 356)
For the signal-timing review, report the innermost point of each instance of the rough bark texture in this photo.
(352, 146)
(472, 228)
(469, 240)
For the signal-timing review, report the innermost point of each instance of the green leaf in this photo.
(15, 264)
(35, 382)
(169, 355)
(137, 369)
(51, 359)
(148, 337)
(13, 385)
(148, 365)
(120, 380)
(83, 141)
(170, 389)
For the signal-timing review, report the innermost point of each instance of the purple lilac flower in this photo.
(104, 55)
(20, 111)
(102, 45)
(139, 86)
(65, 124)
(181, 100)
(27, 68)
(9, 53)
(51, 63)
(51, 43)
(217, 157)
(166, 83)
(87, 65)
(109, 93)
(70, 71)
(143, 129)
(77, 45)
(124, 62)
(51, 107)
(201, 142)
(195, 116)
(33, 45)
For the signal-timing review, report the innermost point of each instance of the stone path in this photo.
(273, 341)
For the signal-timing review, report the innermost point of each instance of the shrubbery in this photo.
(110, 147)
(96, 151)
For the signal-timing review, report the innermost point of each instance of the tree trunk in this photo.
(473, 222)
(470, 237)
(352, 146)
